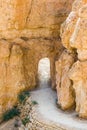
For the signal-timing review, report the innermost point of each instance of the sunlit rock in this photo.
(65, 90)
(74, 36)
(79, 37)
(79, 77)
(68, 26)
(30, 31)
(32, 18)
(19, 60)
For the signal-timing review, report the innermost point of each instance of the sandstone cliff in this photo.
(74, 39)
(29, 31)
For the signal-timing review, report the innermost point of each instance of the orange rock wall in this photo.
(29, 31)
(32, 18)
(74, 39)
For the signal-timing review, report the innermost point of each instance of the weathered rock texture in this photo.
(79, 41)
(29, 31)
(74, 37)
(32, 18)
(79, 77)
(79, 37)
(19, 66)
(68, 26)
(65, 90)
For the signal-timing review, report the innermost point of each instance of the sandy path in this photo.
(46, 99)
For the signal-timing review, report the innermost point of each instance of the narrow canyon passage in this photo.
(46, 98)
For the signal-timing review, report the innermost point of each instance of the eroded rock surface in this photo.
(79, 37)
(68, 26)
(19, 66)
(65, 90)
(79, 77)
(29, 31)
(79, 41)
(74, 36)
(32, 18)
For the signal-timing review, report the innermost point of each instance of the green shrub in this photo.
(22, 96)
(26, 120)
(10, 114)
(34, 103)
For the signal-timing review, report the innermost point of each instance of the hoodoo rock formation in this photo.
(73, 77)
(29, 31)
(79, 41)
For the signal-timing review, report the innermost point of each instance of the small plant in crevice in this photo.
(10, 114)
(25, 120)
(23, 96)
(34, 102)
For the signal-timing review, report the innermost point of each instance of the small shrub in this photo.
(34, 103)
(22, 97)
(26, 120)
(26, 93)
(10, 114)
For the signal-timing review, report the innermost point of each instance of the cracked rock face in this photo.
(29, 31)
(32, 18)
(79, 77)
(79, 37)
(68, 26)
(65, 92)
(74, 36)
(79, 41)
(14, 14)
(19, 61)
(12, 79)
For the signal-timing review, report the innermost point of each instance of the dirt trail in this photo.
(46, 99)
